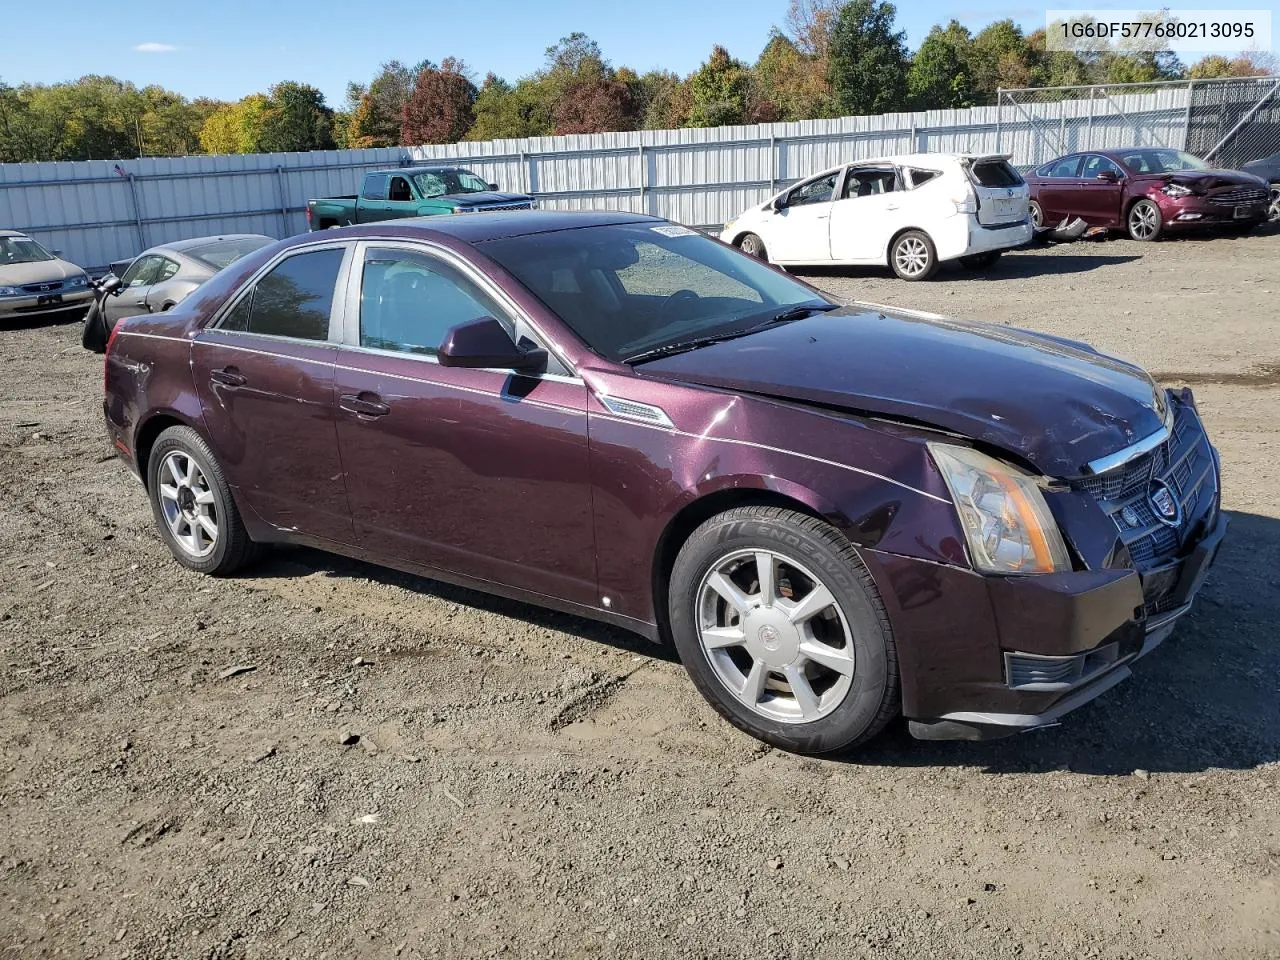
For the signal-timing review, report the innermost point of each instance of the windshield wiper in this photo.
(684, 346)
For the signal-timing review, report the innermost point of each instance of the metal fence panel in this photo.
(101, 211)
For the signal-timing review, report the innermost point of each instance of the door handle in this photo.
(228, 376)
(364, 404)
(142, 303)
(892, 206)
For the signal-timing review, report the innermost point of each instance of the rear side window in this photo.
(167, 269)
(375, 186)
(995, 173)
(293, 300)
(918, 176)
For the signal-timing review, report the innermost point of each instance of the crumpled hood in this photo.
(1055, 403)
(1202, 181)
(484, 199)
(41, 271)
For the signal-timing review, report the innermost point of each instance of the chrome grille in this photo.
(1239, 195)
(1184, 462)
(523, 205)
(47, 287)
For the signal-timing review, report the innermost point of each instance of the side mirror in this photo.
(1107, 176)
(777, 203)
(492, 186)
(57, 253)
(484, 342)
(110, 284)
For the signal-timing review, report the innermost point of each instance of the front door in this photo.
(865, 218)
(131, 299)
(264, 371)
(480, 472)
(798, 232)
(1101, 191)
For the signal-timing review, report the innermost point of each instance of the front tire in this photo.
(192, 505)
(1036, 214)
(782, 630)
(913, 257)
(753, 246)
(1273, 203)
(1145, 221)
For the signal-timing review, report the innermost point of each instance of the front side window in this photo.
(626, 289)
(1095, 165)
(293, 300)
(815, 191)
(400, 190)
(408, 302)
(21, 250)
(142, 272)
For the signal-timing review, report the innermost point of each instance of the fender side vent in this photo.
(634, 410)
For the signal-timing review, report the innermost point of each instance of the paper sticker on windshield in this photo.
(674, 230)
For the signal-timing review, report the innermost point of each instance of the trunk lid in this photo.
(1053, 403)
(1001, 192)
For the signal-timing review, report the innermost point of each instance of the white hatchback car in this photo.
(911, 212)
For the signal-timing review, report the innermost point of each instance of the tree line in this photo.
(829, 59)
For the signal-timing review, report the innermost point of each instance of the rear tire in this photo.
(192, 505)
(1144, 221)
(1273, 203)
(753, 246)
(767, 683)
(981, 261)
(912, 256)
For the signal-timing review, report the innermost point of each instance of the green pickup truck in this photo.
(413, 192)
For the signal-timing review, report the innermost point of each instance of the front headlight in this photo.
(1006, 522)
(1176, 190)
(79, 281)
(10, 292)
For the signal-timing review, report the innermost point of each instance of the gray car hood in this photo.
(41, 271)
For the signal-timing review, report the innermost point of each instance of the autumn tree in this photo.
(1000, 57)
(789, 84)
(1249, 64)
(664, 100)
(235, 127)
(502, 110)
(868, 59)
(441, 106)
(719, 91)
(586, 93)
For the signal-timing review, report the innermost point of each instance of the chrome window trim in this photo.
(435, 361)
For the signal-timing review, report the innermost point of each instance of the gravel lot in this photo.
(175, 781)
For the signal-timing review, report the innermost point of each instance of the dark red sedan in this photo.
(837, 513)
(1146, 191)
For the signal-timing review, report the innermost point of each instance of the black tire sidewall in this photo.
(861, 715)
(761, 253)
(191, 444)
(1037, 219)
(928, 271)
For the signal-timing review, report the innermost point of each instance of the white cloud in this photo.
(155, 48)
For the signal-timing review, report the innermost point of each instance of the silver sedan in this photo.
(34, 281)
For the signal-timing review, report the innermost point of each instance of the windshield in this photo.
(21, 250)
(1161, 161)
(437, 183)
(226, 252)
(626, 289)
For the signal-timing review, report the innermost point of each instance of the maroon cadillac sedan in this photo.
(838, 514)
(1147, 191)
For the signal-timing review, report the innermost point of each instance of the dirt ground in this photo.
(174, 780)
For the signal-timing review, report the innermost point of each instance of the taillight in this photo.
(308, 218)
(106, 354)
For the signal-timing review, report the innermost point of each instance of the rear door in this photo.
(800, 231)
(1001, 191)
(264, 370)
(1100, 194)
(371, 205)
(480, 472)
(867, 214)
(1059, 188)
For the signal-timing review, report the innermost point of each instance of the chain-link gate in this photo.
(1229, 122)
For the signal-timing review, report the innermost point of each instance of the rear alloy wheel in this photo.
(1273, 202)
(782, 630)
(912, 256)
(193, 507)
(1037, 215)
(753, 246)
(1145, 222)
(980, 261)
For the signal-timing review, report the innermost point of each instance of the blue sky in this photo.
(230, 48)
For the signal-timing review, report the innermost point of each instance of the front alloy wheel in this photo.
(782, 630)
(753, 246)
(1273, 202)
(1144, 221)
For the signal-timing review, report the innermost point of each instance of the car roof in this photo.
(479, 227)
(192, 243)
(412, 170)
(14, 233)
